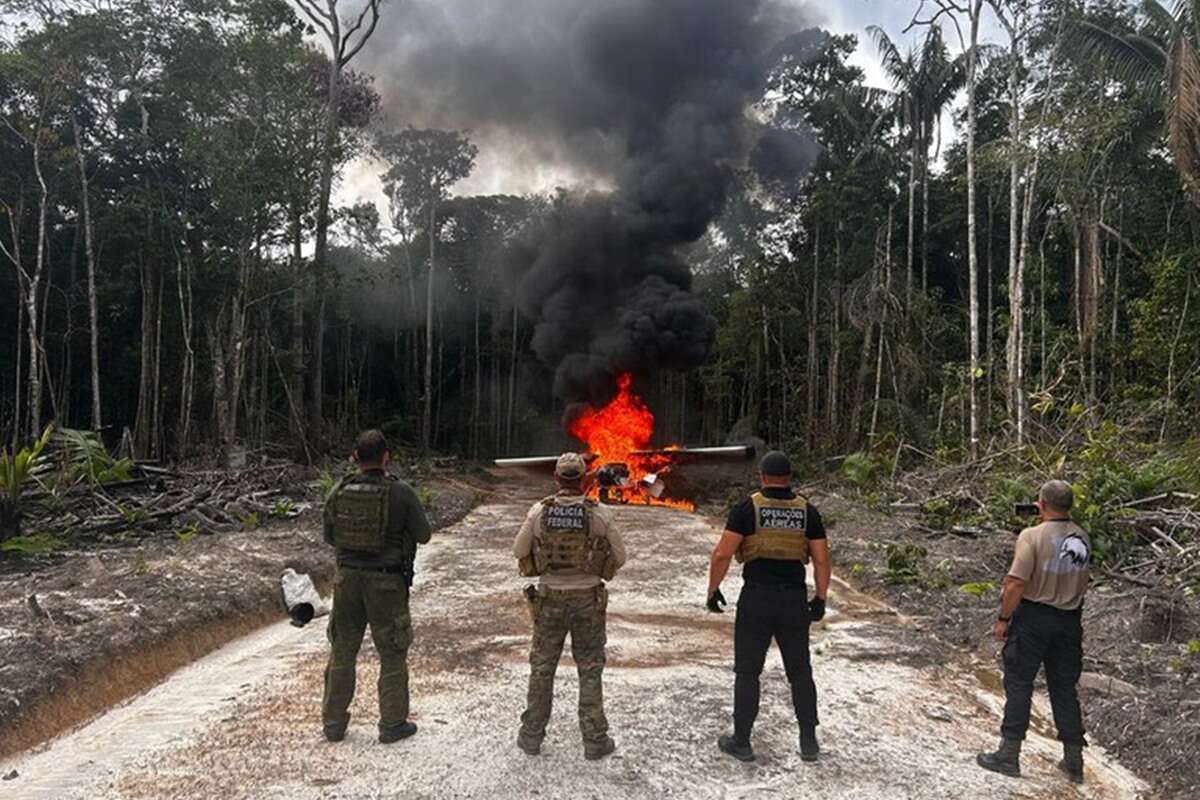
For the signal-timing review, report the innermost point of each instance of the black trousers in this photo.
(1042, 634)
(767, 612)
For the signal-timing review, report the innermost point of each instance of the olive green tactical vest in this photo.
(779, 530)
(563, 542)
(359, 514)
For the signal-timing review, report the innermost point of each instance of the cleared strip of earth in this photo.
(244, 721)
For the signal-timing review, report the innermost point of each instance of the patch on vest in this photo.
(782, 519)
(565, 518)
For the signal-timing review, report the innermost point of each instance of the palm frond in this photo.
(1137, 58)
(896, 65)
(1183, 112)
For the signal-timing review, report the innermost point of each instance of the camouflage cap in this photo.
(570, 466)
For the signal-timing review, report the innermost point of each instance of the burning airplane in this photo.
(625, 468)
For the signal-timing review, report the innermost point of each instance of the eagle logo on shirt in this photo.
(1075, 550)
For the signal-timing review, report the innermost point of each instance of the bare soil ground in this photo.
(85, 629)
(1140, 687)
(244, 722)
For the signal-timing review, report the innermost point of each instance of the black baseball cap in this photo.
(776, 464)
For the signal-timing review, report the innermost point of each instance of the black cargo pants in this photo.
(766, 612)
(1042, 634)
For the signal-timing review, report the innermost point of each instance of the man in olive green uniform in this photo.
(375, 522)
(571, 543)
(774, 533)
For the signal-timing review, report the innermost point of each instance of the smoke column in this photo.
(648, 97)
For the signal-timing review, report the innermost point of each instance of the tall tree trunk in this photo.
(912, 215)
(512, 382)
(427, 411)
(972, 256)
(298, 359)
(187, 378)
(321, 251)
(924, 210)
(813, 366)
(989, 326)
(836, 355)
(883, 318)
(90, 247)
(477, 399)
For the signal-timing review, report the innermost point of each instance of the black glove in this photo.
(816, 609)
(715, 601)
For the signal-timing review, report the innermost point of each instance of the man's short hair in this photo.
(1057, 494)
(370, 446)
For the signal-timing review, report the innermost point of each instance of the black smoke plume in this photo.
(651, 96)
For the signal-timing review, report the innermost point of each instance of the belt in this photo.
(776, 587)
(1048, 607)
(580, 592)
(398, 569)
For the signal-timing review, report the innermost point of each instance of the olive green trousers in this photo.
(362, 598)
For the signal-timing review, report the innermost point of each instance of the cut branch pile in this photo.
(1166, 528)
(156, 500)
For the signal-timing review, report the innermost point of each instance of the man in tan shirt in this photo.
(571, 544)
(1040, 622)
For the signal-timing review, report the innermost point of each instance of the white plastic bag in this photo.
(301, 598)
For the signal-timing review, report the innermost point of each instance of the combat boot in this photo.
(335, 731)
(730, 746)
(595, 752)
(809, 748)
(396, 732)
(1072, 762)
(528, 744)
(1006, 760)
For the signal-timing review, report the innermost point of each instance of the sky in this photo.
(510, 159)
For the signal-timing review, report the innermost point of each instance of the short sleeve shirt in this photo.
(1052, 559)
(771, 571)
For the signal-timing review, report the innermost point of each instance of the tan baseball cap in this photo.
(570, 466)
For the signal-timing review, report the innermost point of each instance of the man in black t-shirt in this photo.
(774, 533)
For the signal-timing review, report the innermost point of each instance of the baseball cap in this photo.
(776, 464)
(570, 466)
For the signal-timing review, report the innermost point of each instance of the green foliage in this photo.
(978, 589)
(1193, 647)
(427, 498)
(857, 570)
(325, 483)
(34, 544)
(859, 469)
(904, 563)
(86, 458)
(939, 513)
(17, 471)
(132, 515)
(186, 534)
(249, 521)
(282, 508)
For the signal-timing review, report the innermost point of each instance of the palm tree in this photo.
(1162, 56)
(924, 83)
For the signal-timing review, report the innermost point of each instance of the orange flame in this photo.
(614, 434)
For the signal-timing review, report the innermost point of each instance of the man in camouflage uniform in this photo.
(375, 522)
(571, 543)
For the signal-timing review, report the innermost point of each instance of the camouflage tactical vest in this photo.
(779, 530)
(563, 542)
(359, 513)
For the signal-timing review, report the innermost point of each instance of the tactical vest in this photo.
(779, 530)
(563, 542)
(359, 513)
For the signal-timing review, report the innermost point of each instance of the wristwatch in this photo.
(1004, 619)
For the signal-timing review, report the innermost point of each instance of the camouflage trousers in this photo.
(582, 614)
(362, 598)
